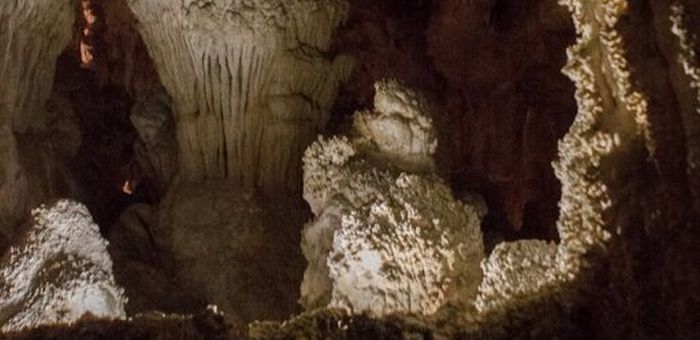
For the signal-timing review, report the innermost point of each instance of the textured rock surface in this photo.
(156, 148)
(626, 158)
(625, 267)
(385, 241)
(145, 269)
(58, 272)
(514, 272)
(243, 77)
(201, 326)
(234, 248)
(27, 65)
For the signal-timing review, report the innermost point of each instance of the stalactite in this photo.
(228, 64)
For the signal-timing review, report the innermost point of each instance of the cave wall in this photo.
(34, 164)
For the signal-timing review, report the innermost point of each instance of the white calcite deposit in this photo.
(516, 272)
(595, 165)
(58, 272)
(386, 240)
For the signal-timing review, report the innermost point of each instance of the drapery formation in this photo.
(251, 82)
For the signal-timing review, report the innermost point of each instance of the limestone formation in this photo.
(515, 272)
(59, 271)
(620, 129)
(386, 241)
(611, 127)
(250, 81)
(27, 67)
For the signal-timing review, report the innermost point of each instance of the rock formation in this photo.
(516, 271)
(233, 248)
(32, 166)
(156, 147)
(610, 133)
(385, 240)
(58, 272)
(629, 152)
(245, 76)
(205, 174)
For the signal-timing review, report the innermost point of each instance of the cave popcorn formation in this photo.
(387, 239)
(59, 272)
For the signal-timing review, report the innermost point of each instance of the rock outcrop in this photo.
(59, 271)
(156, 147)
(388, 236)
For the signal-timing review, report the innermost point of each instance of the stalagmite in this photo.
(610, 127)
(59, 272)
(385, 240)
(250, 81)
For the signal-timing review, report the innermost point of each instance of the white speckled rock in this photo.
(58, 272)
(386, 241)
(516, 271)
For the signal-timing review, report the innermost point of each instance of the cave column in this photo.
(251, 85)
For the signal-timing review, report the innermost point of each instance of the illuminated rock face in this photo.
(633, 141)
(250, 81)
(58, 272)
(611, 129)
(27, 66)
(517, 272)
(385, 240)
